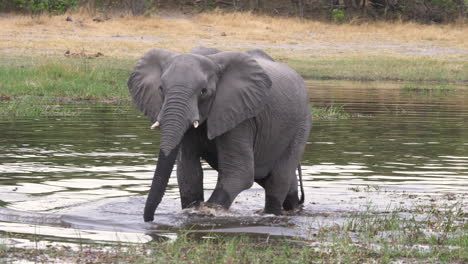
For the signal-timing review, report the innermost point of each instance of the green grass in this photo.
(429, 89)
(382, 68)
(185, 249)
(426, 234)
(46, 87)
(329, 112)
(422, 87)
(71, 78)
(36, 86)
(34, 106)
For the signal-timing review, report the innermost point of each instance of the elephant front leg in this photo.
(235, 165)
(190, 173)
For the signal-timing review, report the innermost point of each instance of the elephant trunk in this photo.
(174, 124)
(159, 184)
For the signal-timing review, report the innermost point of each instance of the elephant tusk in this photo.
(155, 125)
(195, 124)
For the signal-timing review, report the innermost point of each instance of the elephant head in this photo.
(178, 91)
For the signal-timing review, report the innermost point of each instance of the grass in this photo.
(329, 112)
(381, 68)
(33, 106)
(430, 234)
(46, 87)
(186, 249)
(75, 78)
(423, 234)
(418, 87)
(54, 33)
(36, 79)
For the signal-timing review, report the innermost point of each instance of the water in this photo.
(85, 178)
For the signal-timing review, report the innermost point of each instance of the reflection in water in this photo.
(91, 173)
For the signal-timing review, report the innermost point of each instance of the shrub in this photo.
(426, 11)
(338, 16)
(39, 6)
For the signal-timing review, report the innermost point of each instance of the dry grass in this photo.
(291, 37)
(254, 27)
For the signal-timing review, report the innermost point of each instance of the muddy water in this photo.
(85, 178)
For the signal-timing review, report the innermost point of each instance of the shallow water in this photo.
(85, 178)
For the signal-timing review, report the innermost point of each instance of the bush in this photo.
(338, 16)
(39, 6)
(426, 11)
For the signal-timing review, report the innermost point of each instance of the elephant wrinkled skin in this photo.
(243, 113)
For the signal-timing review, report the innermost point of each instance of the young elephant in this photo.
(245, 114)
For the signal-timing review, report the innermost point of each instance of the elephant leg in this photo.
(235, 165)
(189, 171)
(280, 187)
(276, 190)
(292, 199)
(262, 181)
(293, 159)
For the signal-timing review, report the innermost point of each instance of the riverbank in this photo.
(425, 233)
(50, 61)
(33, 86)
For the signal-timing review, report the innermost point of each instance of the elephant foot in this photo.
(272, 205)
(219, 198)
(206, 209)
(192, 204)
(291, 202)
(293, 212)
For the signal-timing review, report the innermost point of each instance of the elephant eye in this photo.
(160, 88)
(203, 91)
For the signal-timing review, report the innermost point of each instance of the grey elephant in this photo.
(243, 113)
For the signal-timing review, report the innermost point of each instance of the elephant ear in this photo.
(258, 53)
(241, 93)
(145, 80)
(200, 50)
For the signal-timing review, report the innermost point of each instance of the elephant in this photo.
(245, 114)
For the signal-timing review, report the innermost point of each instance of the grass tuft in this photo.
(330, 112)
(34, 106)
(422, 87)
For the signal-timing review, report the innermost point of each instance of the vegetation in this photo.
(415, 87)
(424, 234)
(383, 68)
(46, 87)
(39, 6)
(338, 16)
(306, 40)
(338, 11)
(330, 112)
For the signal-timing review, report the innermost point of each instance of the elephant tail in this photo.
(299, 170)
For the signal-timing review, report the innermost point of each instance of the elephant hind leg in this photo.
(281, 184)
(279, 188)
(292, 199)
(272, 204)
(273, 199)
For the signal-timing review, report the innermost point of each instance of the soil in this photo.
(83, 35)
